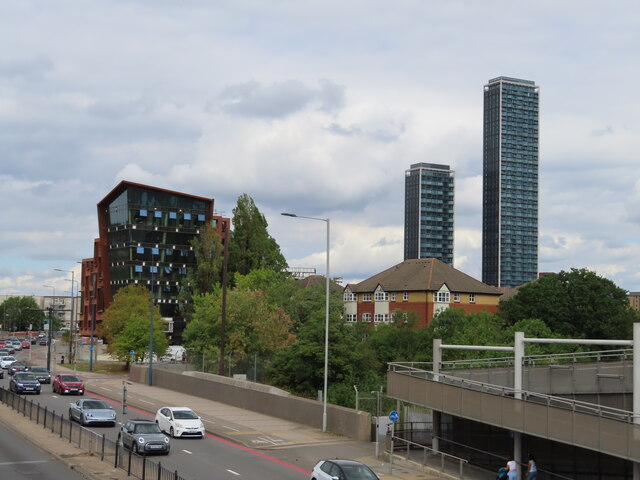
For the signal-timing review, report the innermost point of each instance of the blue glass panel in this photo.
(155, 251)
(169, 251)
(187, 216)
(138, 268)
(200, 217)
(173, 215)
(157, 214)
(153, 269)
(143, 212)
(140, 250)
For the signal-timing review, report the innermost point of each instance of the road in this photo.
(20, 460)
(211, 457)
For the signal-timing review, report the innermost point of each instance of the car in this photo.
(17, 344)
(4, 352)
(67, 384)
(24, 382)
(26, 344)
(10, 348)
(33, 340)
(6, 361)
(144, 436)
(342, 469)
(43, 341)
(41, 373)
(92, 411)
(179, 422)
(16, 367)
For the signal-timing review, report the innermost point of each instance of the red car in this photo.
(68, 384)
(26, 344)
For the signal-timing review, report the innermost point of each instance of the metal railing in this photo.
(445, 460)
(98, 445)
(625, 416)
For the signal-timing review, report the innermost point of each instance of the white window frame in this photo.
(442, 297)
(456, 297)
(472, 298)
(381, 296)
(366, 297)
(349, 297)
(405, 296)
(366, 318)
(393, 297)
(352, 317)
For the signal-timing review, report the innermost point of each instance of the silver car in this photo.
(91, 411)
(144, 436)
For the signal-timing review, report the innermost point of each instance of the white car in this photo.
(180, 422)
(5, 362)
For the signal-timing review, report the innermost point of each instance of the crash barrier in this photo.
(107, 450)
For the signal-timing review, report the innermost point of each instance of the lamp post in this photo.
(326, 323)
(49, 335)
(72, 310)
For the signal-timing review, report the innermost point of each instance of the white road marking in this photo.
(231, 428)
(105, 388)
(150, 403)
(231, 471)
(22, 463)
(187, 451)
(208, 421)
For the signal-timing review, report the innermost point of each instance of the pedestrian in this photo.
(512, 468)
(532, 468)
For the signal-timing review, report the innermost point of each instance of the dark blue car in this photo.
(24, 382)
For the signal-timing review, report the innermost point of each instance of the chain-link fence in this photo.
(98, 445)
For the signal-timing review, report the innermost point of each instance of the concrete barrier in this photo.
(260, 398)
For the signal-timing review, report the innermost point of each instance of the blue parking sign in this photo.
(394, 416)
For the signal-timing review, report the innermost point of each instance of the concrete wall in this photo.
(261, 399)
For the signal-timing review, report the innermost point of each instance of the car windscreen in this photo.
(39, 370)
(358, 472)
(21, 377)
(147, 428)
(69, 378)
(94, 404)
(184, 415)
(8, 359)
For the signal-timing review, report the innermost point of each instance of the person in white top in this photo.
(512, 468)
(532, 468)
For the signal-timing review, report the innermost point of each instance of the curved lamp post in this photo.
(326, 324)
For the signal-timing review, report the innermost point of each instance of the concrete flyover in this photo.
(595, 427)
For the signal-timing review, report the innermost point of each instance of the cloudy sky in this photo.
(316, 108)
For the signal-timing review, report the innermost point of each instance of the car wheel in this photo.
(38, 392)
(135, 448)
(172, 433)
(53, 388)
(71, 419)
(82, 420)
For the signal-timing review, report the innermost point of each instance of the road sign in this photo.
(394, 416)
(132, 352)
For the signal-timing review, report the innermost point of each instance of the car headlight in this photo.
(20, 384)
(90, 415)
(201, 425)
(140, 440)
(166, 440)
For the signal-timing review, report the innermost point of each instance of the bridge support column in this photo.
(517, 452)
(436, 430)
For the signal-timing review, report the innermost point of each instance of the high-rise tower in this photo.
(510, 182)
(428, 212)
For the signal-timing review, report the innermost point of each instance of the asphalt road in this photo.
(211, 457)
(20, 460)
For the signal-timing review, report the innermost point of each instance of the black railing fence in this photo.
(96, 444)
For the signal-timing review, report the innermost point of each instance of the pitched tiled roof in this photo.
(423, 274)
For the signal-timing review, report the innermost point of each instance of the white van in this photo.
(174, 354)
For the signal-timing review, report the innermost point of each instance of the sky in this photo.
(315, 108)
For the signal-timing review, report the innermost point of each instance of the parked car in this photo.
(92, 411)
(17, 344)
(16, 367)
(43, 341)
(41, 373)
(24, 382)
(26, 343)
(6, 361)
(4, 352)
(144, 436)
(342, 469)
(67, 384)
(180, 422)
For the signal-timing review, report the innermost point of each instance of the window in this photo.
(381, 317)
(153, 269)
(169, 251)
(138, 268)
(366, 297)
(393, 297)
(140, 250)
(472, 298)
(349, 297)
(143, 212)
(173, 215)
(186, 216)
(155, 251)
(201, 217)
(157, 214)
(405, 296)
(351, 317)
(182, 270)
(456, 297)
(442, 297)
(382, 297)
(366, 317)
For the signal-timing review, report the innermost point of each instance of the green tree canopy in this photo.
(135, 337)
(208, 250)
(251, 247)
(574, 304)
(19, 313)
(129, 302)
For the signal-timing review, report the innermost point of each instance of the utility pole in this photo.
(223, 316)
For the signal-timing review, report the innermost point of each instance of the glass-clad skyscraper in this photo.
(428, 212)
(510, 182)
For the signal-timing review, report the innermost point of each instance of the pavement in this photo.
(296, 444)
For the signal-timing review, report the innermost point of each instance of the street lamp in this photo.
(50, 328)
(326, 323)
(72, 310)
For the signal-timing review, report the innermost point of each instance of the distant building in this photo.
(145, 239)
(510, 182)
(424, 286)
(634, 300)
(428, 212)
(63, 307)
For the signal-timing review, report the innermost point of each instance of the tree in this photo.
(208, 249)
(20, 313)
(135, 337)
(575, 304)
(129, 303)
(251, 247)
